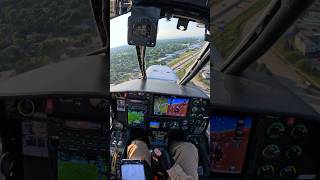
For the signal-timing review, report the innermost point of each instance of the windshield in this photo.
(293, 61)
(174, 53)
(36, 33)
(231, 21)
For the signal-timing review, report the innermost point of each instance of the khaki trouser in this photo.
(184, 154)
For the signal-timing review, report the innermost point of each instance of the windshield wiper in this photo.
(277, 18)
(200, 62)
(141, 52)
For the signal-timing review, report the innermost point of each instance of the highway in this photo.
(180, 65)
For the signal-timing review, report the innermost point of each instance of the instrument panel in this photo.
(161, 112)
(288, 149)
(263, 147)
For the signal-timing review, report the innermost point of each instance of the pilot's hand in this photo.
(160, 164)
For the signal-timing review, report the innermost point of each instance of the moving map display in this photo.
(170, 106)
(229, 136)
(136, 116)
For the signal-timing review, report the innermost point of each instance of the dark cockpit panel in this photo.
(57, 136)
(256, 146)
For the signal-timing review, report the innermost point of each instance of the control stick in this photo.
(160, 163)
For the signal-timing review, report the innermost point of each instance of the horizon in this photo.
(194, 37)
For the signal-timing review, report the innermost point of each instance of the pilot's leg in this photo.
(138, 150)
(185, 155)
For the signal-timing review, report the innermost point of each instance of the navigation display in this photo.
(135, 117)
(229, 136)
(170, 106)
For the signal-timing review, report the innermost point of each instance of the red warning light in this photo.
(290, 121)
(49, 106)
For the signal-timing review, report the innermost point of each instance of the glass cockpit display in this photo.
(74, 167)
(170, 106)
(136, 116)
(229, 137)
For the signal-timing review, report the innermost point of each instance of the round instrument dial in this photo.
(299, 131)
(266, 171)
(271, 152)
(276, 130)
(26, 107)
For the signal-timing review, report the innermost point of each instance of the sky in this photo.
(166, 30)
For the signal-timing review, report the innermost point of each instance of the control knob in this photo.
(174, 125)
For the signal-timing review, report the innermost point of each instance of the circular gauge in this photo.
(204, 102)
(194, 109)
(276, 130)
(266, 171)
(293, 152)
(271, 152)
(288, 172)
(196, 102)
(26, 107)
(299, 131)
(98, 103)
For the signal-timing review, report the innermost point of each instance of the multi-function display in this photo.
(170, 106)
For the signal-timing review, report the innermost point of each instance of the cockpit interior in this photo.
(67, 121)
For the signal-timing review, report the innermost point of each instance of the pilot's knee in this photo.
(190, 147)
(138, 150)
(136, 147)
